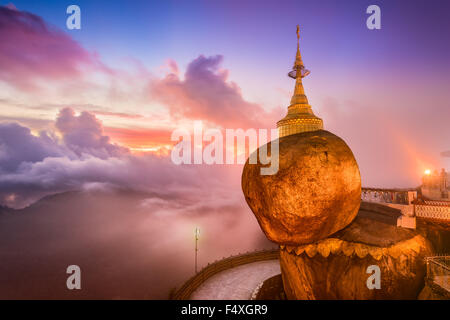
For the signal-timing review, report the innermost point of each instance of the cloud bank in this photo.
(80, 156)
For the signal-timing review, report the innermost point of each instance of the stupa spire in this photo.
(300, 117)
(298, 57)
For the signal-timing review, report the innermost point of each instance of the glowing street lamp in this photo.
(427, 172)
(197, 234)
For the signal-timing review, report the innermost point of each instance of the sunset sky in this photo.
(95, 108)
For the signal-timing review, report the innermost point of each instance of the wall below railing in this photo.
(406, 202)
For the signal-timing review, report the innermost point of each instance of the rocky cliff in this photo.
(336, 267)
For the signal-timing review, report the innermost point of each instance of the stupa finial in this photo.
(299, 67)
(300, 117)
(298, 58)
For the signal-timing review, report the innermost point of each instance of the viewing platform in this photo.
(406, 200)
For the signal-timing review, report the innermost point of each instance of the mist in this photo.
(126, 244)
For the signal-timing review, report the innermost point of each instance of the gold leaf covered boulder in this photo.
(315, 193)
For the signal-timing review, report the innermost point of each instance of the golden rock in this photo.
(315, 193)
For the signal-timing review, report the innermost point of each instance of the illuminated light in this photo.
(197, 232)
(428, 172)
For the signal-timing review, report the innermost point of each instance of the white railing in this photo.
(437, 203)
(433, 212)
(438, 270)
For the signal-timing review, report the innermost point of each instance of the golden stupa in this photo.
(300, 117)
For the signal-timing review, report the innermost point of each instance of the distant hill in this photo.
(4, 209)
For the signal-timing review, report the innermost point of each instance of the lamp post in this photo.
(196, 233)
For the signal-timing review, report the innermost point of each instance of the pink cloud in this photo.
(31, 50)
(206, 94)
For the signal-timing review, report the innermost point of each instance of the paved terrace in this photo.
(237, 283)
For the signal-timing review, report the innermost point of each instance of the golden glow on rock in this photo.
(337, 246)
(315, 193)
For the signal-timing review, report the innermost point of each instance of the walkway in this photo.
(237, 283)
